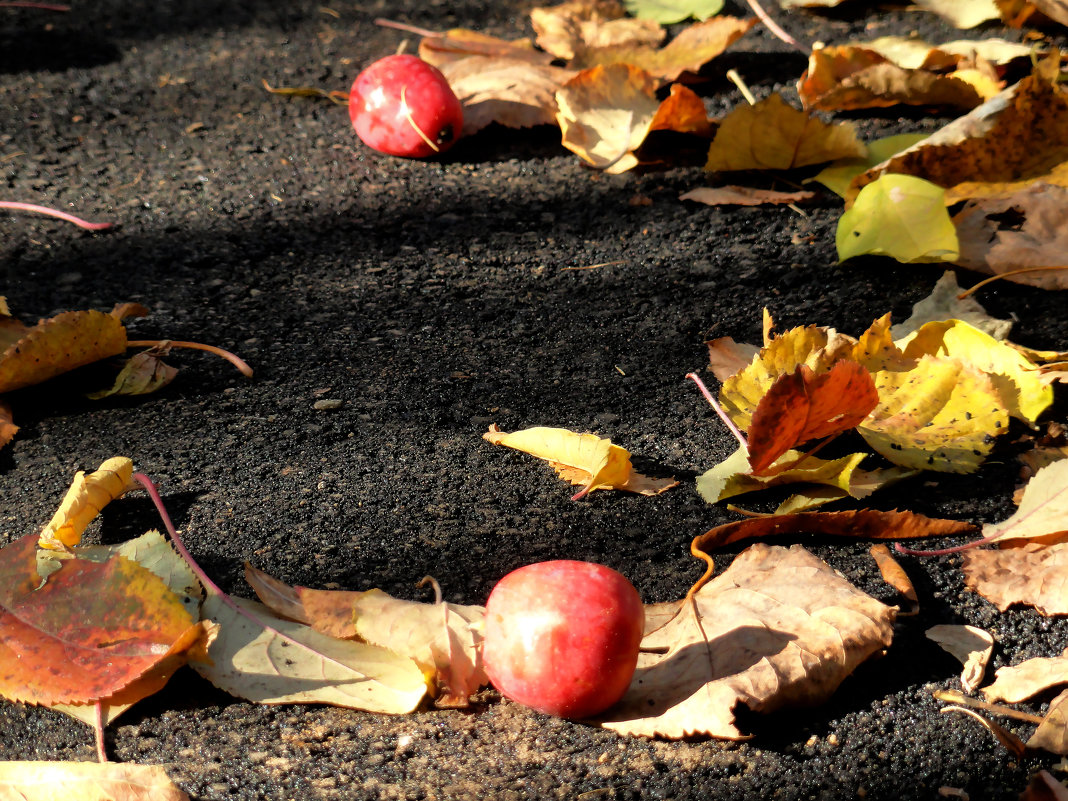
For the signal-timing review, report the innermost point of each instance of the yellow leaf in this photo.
(838, 175)
(731, 477)
(899, 216)
(84, 500)
(772, 135)
(1015, 378)
(1043, 512)
(962, 13)
(86, 781)
(942, 415)
(584, 459)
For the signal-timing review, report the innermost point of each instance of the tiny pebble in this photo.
(327, 405)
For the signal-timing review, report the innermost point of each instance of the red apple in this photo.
(403, 106)
(562, 637)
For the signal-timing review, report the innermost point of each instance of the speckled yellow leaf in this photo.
(772, 135)
(1017, 382)
(84, 500)
(582, 459)
(941, 415)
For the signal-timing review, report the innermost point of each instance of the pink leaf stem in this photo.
(15, 205)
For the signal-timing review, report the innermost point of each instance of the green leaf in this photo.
(668, 12)
(899, 216)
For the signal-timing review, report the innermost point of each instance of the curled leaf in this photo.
(84, 500)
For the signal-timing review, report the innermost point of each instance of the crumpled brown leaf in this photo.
(8, 429)
(1033, 574)
(142, 374)
(570, 28)
(460, 43)
(778, 628)
(973, 646)
(743, 196)
(1025, 680)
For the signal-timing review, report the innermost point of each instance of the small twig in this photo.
(403, 26)
(235, 360)
(773, 26)
(946, 551)
(595, 266)
(954, 697)
(15, 205)
(736, 79)
(719, 410)
(999, 276)
(39, 6)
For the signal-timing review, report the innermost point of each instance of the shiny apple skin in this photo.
(381, 117)
(562, 637)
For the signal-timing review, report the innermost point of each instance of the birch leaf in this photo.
(266, 659)
(779, 628)
(86, 781)
(582, 459)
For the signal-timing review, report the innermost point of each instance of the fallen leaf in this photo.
(941, 415)
(682, 111)
(443, 639)
(668, 12)
(962, 13)
(743, 196)
(1044, 787)
(86, 781)
(772, 135)
(1039, 13)
(1016, 138)
(732, 476)
(695, 46)
(460, 43)
(510, 92)
(802, 406)
(778, 628)
(84, 500)
(912, 53)
(605, 114)
(899, 216)
(1052, 733)
(971, 645)
(584, 459)
(1014, 684)
(569, 27)
(268, 660)
(142, 374)
(88, 632)
(943, 304)
(895, 575)
(1033, 574)
(8, 429)
(837, 175)
(1023, 228)
(727, 357)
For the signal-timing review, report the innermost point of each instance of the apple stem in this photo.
(98, 731)
(433, 582)
(15, 205)
(946, 551)
(236, 361)
(719, 410)
(418, 130)
(403, 26)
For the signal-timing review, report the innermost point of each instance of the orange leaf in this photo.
(743, 196)
(8, 429)
(801, 406)
(89, 631)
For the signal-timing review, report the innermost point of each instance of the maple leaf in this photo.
(510, 92)
(1017, 137)
(971, 645)
(899, 216)
(1038, 238)
(584, 459)
(572, 27)
(772, 135)
(86, 781)
(743, 196)
(444, 639)
(695, 46)
(802, 406)
(88, 632)
(778, 628)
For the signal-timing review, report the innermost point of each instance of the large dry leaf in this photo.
(779, 628)
(1033, 574)
(1042, 515)
(573, 27)
(1024, 228)
(58, 345)
(460, 43)
(1015, 378)
(605, 114)
(510, 92)
(772, 135)
(743, 196)
(802, 406)
(583, 459)
(1017, 683)
(695, 46)
(89, 631)
(944, 304)
(444, 639)
(86, 781)
(971, 645)
(858, 76)
(941, 415)
(269, 660)
(1019, 136)
(84, 500)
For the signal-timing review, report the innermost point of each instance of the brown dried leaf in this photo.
(727, 357)
(143, 373)
(571, 28)
(778, 628)
(86, 781)
(1036, 13)
(894, 575)
(1029, 678)
(8, 429)
(772, 135)
(1052, 733)
(1032, 574)
(694, 47)
(971, 645)
(743, 196)
(513, 93)
(1044, 787)
(460, 43)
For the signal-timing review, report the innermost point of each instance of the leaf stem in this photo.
(946, 551)
(738, 435)
(39, 6)
(15, 205)
(98, 731)
(773, 26)
(999, 276)
(403, 26)
(235, 360)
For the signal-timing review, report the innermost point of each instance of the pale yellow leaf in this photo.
(962, 13)
(1043, 511)
(86, 781)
